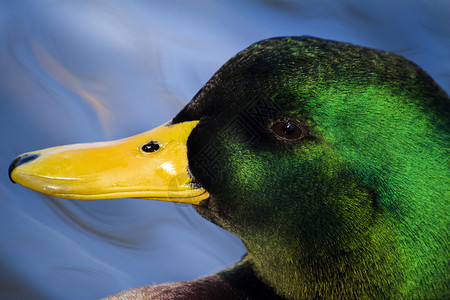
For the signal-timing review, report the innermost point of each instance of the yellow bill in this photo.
(150, 165)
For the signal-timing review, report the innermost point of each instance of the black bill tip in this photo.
(20, 160)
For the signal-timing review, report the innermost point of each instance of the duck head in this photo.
(326, 159)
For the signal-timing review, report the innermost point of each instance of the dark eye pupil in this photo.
(150, 147)
(288, 128)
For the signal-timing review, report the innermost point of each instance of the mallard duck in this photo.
(328, 160)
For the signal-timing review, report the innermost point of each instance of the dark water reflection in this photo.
(81, 71)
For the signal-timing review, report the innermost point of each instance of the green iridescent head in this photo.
(330, 161)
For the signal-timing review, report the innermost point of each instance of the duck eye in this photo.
(150, 147)
(287, 130)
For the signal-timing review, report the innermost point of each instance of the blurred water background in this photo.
(84, 71)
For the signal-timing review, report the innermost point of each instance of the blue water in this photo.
(83, 71)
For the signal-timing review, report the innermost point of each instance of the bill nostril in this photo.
(20, 160)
